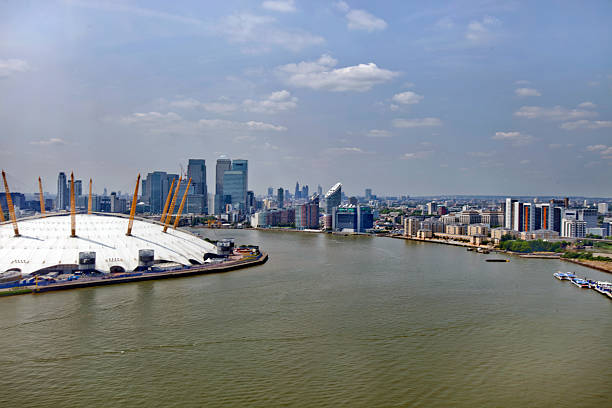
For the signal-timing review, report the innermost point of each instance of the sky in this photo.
(404, 97)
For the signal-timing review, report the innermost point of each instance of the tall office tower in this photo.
(304, 192)
(432, 208)
(509, 213)
(158, 183)
(270, 191)
(223, 165)
(297, 194)
(250, 200)
(333, 198)
(280, 197)
(197, 200)
(602, 208)
(319, 190)
(368, 193)
(105, 193)
(235, 184)
(62, 192)
(78, 188)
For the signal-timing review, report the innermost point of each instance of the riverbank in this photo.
(599, 265)
(141, 276)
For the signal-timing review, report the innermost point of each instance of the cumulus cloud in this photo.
(12, 66)
(191, 103)
(282, 6)
(379, 133)
(275, 102)
(515, 138)
(54, 141)
(422, 154)
(260, 34)
(418, 122)
(557, 113)
(480, 31)
(527, 92)
(150, 118)
(250, 125)
(587, 105)
(360, 19)
(322, 75)
(586, 124)
(407, 98)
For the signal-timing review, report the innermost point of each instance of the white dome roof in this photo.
(46, 242)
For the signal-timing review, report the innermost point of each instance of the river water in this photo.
(328, 321)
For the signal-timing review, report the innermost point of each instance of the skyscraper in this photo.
(197, 200)
(235, 183)
(280, 197)
(78, 188)
(157, 186)
(333, 198)
(297, 194)
(223, 165)
(304, 192)
(62, 200)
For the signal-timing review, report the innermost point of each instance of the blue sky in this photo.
(469, 97)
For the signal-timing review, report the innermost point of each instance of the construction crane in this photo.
(163, 217)
(42, 197)
(72, 207)
(9, 203)
(171, 210)
(133, 209)
(180, 210)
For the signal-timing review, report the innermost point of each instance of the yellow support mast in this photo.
(163, 217)
(42, 197)
(180, 210)
(90, 198)
(9, 203)
(133, 209)
(72, 208)
(171, 209)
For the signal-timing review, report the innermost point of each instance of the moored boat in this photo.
(581, 283)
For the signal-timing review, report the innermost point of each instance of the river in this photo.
(327, 321)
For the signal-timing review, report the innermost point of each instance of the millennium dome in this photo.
(45, 244)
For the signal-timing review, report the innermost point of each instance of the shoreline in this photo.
(197, 270)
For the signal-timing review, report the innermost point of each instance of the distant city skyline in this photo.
(475, 97)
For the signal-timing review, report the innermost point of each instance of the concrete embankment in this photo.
(599, 265)
(197, 270)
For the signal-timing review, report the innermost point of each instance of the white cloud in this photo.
(321, 75)
(587, 124)
(11, 66)
(587, 105)
(603, 150)
(555, 113)
(515, 138)
(342, 6)
(137, 11)
(407, 98)
(343, 150)
(276, 101)
(232, 125)
(360, 19)
(527, 92)
(259, 34)
(379, 133)
(418, 122)
(216, 107)
(54, 141)
(423, 154)
(480, 31)
(522, 82)
(150, 118)
(282, 6)
(170, 122)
